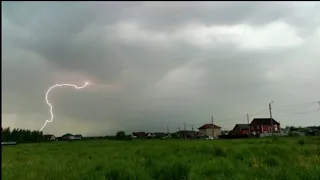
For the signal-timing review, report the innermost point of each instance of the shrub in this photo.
(301, 142)
(293, 134)
(121, 135)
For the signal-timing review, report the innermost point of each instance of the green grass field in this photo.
(284, 158)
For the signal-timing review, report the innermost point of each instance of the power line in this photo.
(234, 121)
(255, 114)
(238, 118)
(231, 119)
(295, 105)
(303, 112)
(295, 110)
(276, 109)
(312, 104)
(309, 112)
(229, 122)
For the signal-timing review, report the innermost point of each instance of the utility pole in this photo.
(279, 127)
(179, 132)
(248, 121)
(192, 128)
(271, 118)
(168, 129)
(319, 104)
(185, 126)
(212, 126)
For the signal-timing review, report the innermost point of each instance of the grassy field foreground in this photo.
(284, 158)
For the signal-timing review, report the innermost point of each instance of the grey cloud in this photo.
(168, 15)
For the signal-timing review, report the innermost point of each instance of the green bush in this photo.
(301, 142)
(293, 134)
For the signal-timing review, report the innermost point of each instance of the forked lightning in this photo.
(47, 101)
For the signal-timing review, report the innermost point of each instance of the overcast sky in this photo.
(158, 64)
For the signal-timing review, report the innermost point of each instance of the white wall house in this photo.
(210, 130)
(77, 137)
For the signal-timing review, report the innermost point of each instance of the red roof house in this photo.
(263, 125)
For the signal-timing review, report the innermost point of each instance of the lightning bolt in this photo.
(48, 103)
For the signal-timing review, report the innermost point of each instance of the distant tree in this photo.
(175, 135)
(292, 128)
(121, 135)
(21, 138)
(40, 136)
(5, 134)
(21, 135)
(14, 135)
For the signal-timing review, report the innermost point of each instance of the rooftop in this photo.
(209, 126)
(68, 134)
(264, 121)
(243, 126)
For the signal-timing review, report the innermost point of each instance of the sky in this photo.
(158, 64)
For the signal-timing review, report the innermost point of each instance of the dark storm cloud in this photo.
(56, 29)
(138, 54)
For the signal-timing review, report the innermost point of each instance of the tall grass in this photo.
(263, 158)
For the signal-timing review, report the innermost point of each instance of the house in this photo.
(211, 130)
(224, 132)
(263, 125)
(139, 134)
(159, 134)
(198, 134)
(134, 136)
(77, 137)
(150, 135)
(67, 136)
(49, 137)
(296, 133)
(186, 133)
(241, 129)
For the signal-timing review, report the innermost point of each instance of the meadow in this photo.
(294, 158)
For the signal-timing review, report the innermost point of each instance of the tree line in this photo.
(26, 135)
(21, 135)
(300, 128)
